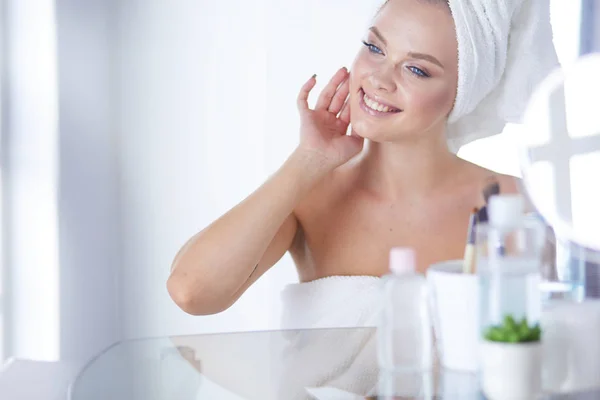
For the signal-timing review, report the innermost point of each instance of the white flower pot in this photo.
(511, 371)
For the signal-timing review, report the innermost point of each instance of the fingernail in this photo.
(314, 76)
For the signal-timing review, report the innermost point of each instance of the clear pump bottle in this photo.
(405, 342)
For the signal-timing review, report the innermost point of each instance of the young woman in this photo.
(340, 202)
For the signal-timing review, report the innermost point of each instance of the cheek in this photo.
(356, 71)
(431, 102)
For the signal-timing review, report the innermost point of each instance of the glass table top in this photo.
(320, 364)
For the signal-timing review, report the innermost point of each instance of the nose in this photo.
(383, 79)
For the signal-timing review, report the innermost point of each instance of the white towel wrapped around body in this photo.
(505, 50)
(343, 358)
(332, 302)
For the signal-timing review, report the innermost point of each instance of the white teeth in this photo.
(372, 104)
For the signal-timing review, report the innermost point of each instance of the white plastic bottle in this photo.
(405, 341)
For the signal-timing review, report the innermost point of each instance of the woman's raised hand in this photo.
(323, 130)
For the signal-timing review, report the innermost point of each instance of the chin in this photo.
(372, 132)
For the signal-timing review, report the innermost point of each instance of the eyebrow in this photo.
(421, 56)
(426, 57)
(378, 34)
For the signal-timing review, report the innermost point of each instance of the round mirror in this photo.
(561, 151)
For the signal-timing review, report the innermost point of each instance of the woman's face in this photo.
(407, 70)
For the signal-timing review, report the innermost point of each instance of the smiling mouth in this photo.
(374, 107)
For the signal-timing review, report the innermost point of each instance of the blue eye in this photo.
(418, 72)
(372, 48)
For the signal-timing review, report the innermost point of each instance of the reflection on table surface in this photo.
(322, 364)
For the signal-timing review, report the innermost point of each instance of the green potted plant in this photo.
(511, 356)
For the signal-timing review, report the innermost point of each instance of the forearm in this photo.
(216, 262)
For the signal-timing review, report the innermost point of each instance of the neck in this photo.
(395, 169)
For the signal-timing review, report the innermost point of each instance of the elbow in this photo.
(183, 297)
(193, 301)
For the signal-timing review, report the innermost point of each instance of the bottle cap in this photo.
(506, 210)
(402, 260)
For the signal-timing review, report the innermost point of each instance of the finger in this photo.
(345, 113)
(329, 91)
(305, 92)
(340, 96)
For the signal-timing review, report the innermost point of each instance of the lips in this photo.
(376, 107)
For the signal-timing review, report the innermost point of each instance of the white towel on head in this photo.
(505, 49)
